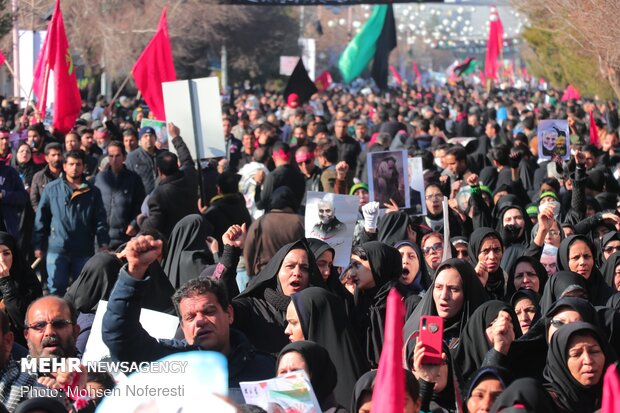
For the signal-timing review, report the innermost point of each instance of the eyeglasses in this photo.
(433, 196)
(56, 325)
(554, 233)
(611, 249)
(438, 246)
(557, 323)
(306, 162)
(487, 251)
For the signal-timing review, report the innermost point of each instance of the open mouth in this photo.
(295, 284)
(405, 272)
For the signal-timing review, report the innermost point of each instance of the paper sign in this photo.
(189, 390)
(158, 325)
(194, 106)
(289, 393)
(161, 130)
(331, 218)
(463, 141)
(416, 185)
(388, 178)
(287, 64)
(447, 251)
(553, 139)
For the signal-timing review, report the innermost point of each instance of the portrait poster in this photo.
(331, 218)
(291, 392)
(160, 130)
(416, 186)
(388, 178)
(553, 139)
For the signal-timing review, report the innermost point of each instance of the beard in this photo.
(64, 349)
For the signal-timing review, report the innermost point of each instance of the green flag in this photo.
(361, 50)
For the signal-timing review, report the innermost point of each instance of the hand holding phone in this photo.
(431, 337)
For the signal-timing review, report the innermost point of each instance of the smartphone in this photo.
(431, 335)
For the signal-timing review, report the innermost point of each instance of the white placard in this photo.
(194, 106)
(331, 218)
(158, 325)
(416, 186)
(287, 64)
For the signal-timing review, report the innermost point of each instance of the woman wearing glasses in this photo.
(432, 248)
(610, 243)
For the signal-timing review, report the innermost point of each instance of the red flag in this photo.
(611, 390)
(2, 58)
(323, 81)
(594, 140)
(55, 57)
(416, 71)
(571, 92)
(396, 75)
(154, 66)
(495, 44)
(388, 395)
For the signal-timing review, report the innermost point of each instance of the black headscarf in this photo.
(392, 228)
(526, 392)
(609, 269)
(474, 296)
(323, 320)
(571, 396)
(23, 283)
(598, 290)
(495, 287)
(610, 236)
(483, 373)
(422, 279)
(538, 268)
(473, 345)
(266, 285)
(366, 384)
(322, 372)
(532, 296)
(188, 253)
(98, 277)
(281, 198)
(503, 205)
(333, 284)
(561, 283)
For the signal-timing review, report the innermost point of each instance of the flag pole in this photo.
(44, 91)
(120, 89)
(12, 72)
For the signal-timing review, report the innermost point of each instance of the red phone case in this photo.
(431, 335)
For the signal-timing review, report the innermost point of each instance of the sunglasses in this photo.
(307, 162)
(438, 246)
(56, 325)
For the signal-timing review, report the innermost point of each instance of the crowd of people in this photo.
(527, 285)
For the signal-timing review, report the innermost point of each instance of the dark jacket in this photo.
(226, 210)
(14, 197)
(140, 162)
(234, 148)
(128, 341)
(348, 150)
(284, 175)
(67, 221)
(39, 182)
(122, 198)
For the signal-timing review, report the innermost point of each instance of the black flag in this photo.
(385, 44)
(300, 83)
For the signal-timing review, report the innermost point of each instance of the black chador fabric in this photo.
(370, 305)
(563, 282)
(473, 345)
(321, 369)
(422, 280)
(609, 269)
(598, 290)
(22, 287)
(366, 384)
(532, 296)
(333, 283)
(188, 253)
(539, 269)
(484, 373)
(571, 396)
(392, 228)
(474, 296)
(323, 320)
(260, 310)
(98, 277)
(526, 392)
(496, 286)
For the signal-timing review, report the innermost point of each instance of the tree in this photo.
(575, 41)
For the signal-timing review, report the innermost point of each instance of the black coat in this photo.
(226, 210)
(284, 175)
(122, 196)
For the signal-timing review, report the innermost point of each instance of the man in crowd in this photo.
(204, 312)
(69, 215)
(122, 193)
(52, 170)
(142, 160)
